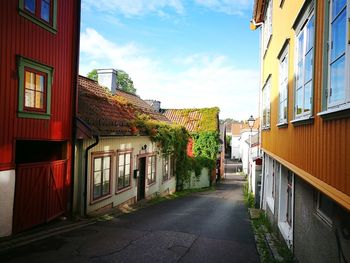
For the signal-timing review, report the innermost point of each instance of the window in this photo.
(41, 12)
(338, 91)
(101, 175)
(151, 169)
(324, 208)
(266, 105)
(34, 90)
(283, 87)
(267, 29)
(166, 169)
(34, 95)
(124, 170)
(172, 166)
(285, 204)
(270, 170)
(304, 69)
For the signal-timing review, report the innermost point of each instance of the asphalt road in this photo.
(203, 227)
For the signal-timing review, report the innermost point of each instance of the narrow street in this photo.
(209, 226)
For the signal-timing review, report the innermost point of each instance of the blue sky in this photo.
(185, 53)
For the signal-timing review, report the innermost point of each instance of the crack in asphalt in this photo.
(188, 249)
(124, 247)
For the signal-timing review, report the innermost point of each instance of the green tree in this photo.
(124, 81)
(93, 75)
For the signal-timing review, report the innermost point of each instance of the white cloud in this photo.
(201, 80)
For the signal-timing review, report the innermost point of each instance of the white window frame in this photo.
(303, 30)
(285, 226)
(283, 85)
(346, 99)
(266, 105)
(267, 27)
(270, 183)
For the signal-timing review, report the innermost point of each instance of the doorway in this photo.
(142, 179)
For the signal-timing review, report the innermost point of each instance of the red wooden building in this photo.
(39, 46)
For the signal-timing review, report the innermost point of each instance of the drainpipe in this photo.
(97, 139)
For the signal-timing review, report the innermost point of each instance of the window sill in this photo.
(34, 115)
(282, 124)
(37, 21)
(286, 231)
(119, 191)
(266, 128)
(325, 219)
(339, 112)
(100, 199)
(303, 121)
(151, 184)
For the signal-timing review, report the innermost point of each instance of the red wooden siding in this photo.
(40, 194)
(19, 36)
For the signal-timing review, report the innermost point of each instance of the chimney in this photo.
(108, 78)
(155, 104)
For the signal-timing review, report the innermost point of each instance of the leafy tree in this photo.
(124, 81)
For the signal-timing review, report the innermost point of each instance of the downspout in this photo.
(97, 139)
(74, 102)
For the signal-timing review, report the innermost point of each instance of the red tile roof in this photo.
(106, 114)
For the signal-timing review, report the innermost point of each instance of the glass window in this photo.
(151, 169)
(266, 105)
(337, 93)
(124, 170)
(29, 5)
(267, 28)
(304, 69)
(101, 176)
(34, 90)
(34, 95)
(289, 212)
(166, 171)
(283, 88)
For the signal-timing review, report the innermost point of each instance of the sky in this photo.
(184, 53)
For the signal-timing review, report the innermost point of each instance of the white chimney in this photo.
(108, 78)
(155, 104)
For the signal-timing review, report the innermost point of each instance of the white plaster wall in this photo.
(235, 144)
(203, 180)
(7, 194)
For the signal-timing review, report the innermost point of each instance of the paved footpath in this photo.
(210, 226)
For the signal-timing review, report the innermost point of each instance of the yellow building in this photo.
(305, 110)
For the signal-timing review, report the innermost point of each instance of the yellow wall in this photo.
(318, 152)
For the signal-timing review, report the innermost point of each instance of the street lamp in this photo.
(251, 121)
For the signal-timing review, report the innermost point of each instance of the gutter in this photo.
(97, 140)
(74, 102)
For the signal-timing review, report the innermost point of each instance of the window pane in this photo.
(337, 80)
(310, 34)
(39, 100)
(127, 180)
(299, 101)
(127, 158)
(127, 169)
(300, 46)
(45, 10)
(97, 178)
(337, 6)
(285, 110)
(121, 159)
(39, 83)
(30, 5)
(338, 36)
(29, 98)
(106, 162)
(97, 164)
(308, 66)
(29, 82)
(120, 182)
(105, 189)
(121, 171)
(307, 97)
